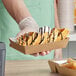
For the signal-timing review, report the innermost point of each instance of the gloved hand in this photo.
(29, 25)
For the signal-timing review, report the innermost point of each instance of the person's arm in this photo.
(58, 52)
(56, 14)
(18, 10)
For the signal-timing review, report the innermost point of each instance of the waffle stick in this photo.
(37, 40)
(30, 38)
(63, 33)
(54, 34)
(22, 40)
(45, 35)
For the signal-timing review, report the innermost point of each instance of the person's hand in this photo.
(41, 53)
(29, 25)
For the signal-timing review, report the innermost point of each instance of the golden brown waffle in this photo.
(43, 37)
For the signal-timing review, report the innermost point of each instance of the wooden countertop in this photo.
(28, 68)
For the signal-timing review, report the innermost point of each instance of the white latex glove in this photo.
(29, 25)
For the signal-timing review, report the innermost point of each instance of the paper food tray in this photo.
(38, 48)
(55, 68)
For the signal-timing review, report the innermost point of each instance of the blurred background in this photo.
(70, 51)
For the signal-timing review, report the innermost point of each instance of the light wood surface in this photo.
(28, 68)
